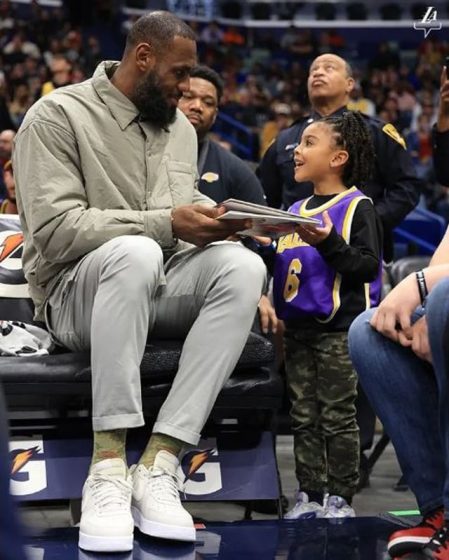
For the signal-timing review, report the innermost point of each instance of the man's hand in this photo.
(198, 224)
(267, 316)
(443, 109)
(417, 339)
(313, 235)
(394, 312)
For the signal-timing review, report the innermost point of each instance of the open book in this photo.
(266, 221)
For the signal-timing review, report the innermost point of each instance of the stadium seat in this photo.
(356, 11)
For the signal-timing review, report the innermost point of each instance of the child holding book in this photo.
(324, 276)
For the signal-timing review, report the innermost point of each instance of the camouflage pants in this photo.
(323, 387)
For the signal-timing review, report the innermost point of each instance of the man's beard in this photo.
(149, 98)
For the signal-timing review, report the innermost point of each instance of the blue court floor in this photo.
(361, 538)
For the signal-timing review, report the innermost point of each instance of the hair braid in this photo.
(353, 135)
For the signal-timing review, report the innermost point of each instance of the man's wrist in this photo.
(422, 286)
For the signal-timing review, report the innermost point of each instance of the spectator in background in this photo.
(6, 143)
(18, 49)
(280, 119)
(419, 143)
(222, 174)
(358, 102)
(9, 206)
(212, 34)
(61, 74)
(233, 37)
(21, 102)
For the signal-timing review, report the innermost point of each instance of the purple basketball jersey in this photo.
(304, 285)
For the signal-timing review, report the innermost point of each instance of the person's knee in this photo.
(137, 258)
(360, 331)
(246, 272)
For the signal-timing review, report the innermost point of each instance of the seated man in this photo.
(400, 351)
(119, 243)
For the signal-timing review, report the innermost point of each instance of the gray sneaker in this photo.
(338, 508)
(304, 509)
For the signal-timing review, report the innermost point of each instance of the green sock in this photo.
(160, 442)
(109, 444)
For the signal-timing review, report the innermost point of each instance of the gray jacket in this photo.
(87, 170)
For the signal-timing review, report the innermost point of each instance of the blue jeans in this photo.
(411, 398)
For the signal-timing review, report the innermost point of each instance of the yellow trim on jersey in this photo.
(367, 295)
(306, 213)
(346, 234)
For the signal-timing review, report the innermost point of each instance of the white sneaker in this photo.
(106, 523)
(338, 508)
(304, 509)
(156, 505)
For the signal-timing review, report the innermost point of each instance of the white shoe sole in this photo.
(162, 530)
(105, 544)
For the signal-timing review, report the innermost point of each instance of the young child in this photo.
(323, 278)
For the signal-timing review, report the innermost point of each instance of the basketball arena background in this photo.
(262, 50)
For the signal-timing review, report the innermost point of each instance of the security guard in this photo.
(394, 188)
(222, 174)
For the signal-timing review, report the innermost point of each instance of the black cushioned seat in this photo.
(63, 380)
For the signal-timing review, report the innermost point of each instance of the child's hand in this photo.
(313, 235)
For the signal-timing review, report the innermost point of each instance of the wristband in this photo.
(422, 286)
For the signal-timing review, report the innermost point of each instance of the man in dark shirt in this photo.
(394, 187)
(222, 174)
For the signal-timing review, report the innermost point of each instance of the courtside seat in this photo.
(62, 380)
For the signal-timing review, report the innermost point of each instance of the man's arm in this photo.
(396, 309)
(396, 174)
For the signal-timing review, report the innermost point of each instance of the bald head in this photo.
(330, 81)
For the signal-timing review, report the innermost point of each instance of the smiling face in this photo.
(317, 156)
(164, 78)
(200, 105)
(329, 79)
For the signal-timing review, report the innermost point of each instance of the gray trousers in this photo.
(122, 291)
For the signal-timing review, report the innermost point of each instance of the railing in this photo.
(239, 136)
(421, 230)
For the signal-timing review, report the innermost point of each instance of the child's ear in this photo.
(339, 158)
